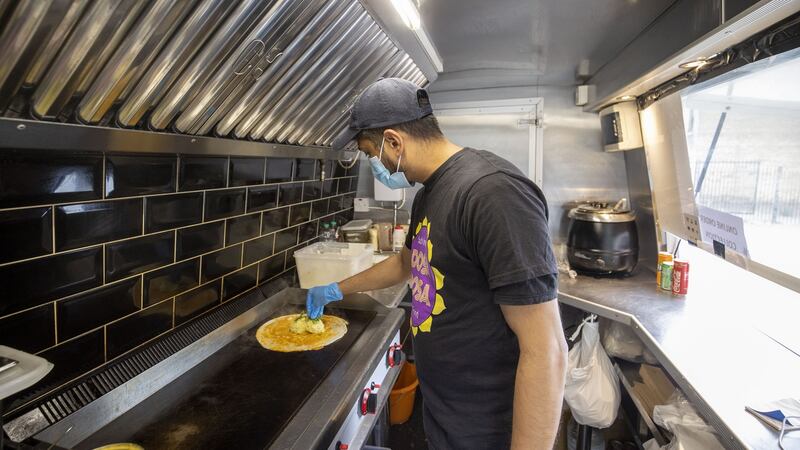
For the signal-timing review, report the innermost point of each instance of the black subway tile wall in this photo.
(133, 256)
(36, 178)
(261, 198)
(127, 175)
(239, 281)
(25, 233)
(200, 239)
(224, 203)
(247, 171)
(290, 194)
(170, 211)
(101, 253)
(221, 262)
(197, 301)
(85, 224)
(242, 228)
(202, 173)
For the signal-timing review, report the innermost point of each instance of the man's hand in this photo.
(319, 296)
(539, 385)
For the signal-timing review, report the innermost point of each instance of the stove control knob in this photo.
(369, 402)
(395, 355)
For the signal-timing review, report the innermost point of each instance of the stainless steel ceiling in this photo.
(274, 70)
(529, 42)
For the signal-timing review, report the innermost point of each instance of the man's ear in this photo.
(394, 141)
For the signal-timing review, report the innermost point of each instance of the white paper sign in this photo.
(724, 228)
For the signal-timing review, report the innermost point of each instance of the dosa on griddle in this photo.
(275, 334)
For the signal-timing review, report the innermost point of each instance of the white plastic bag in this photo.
(592, 387)
(620, 341)
(689, 430)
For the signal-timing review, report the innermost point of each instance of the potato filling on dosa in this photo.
(297, 333)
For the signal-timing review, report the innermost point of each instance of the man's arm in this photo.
(392, 271)
(539, 385)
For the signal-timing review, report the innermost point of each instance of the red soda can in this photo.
(680, 277)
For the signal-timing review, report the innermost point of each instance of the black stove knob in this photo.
(395, 355)
(369, 402)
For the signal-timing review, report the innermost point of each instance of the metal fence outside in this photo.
(758, 191)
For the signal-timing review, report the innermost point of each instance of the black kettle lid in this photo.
(603, 212)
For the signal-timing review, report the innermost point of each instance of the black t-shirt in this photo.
(478, 239)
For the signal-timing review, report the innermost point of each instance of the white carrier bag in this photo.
(592, 387)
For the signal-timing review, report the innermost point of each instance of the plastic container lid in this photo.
(334, 251)
(357, 225)
(28, 372)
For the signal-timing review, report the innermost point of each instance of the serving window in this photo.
(730, 148)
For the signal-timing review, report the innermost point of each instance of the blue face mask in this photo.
(395, 180)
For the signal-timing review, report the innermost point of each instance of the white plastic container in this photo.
(325, 262)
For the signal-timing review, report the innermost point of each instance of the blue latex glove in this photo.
(320, 296)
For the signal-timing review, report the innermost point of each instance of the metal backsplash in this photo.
(282, 71)
(641, 201)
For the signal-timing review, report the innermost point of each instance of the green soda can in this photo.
(666, 275)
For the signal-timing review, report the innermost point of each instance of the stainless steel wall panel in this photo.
(173, 59)
(85, 52)
(133, 56)
(300, 51)
(347, 40)
(311, 113)
(261, 48)
(226, 38)
(319, 30)
(15, 41)
(368, 48)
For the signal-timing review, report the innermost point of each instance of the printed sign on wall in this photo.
(719, 228)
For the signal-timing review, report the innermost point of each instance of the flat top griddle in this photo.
(242, 396)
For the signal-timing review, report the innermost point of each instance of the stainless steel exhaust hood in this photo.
(281, 71)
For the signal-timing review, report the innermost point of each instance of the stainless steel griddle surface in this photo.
(240, 397)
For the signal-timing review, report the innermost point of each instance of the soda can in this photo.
(680, 277)
(662, 257)
(666, 275)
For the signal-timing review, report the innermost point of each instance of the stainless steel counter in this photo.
(718, 343)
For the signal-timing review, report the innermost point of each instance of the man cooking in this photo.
(488, 342)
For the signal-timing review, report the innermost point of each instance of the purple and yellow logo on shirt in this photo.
(426, 281)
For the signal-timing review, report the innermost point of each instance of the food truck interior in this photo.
(169, 185)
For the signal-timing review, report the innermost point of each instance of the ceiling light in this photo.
(408, 12)
(697, 63)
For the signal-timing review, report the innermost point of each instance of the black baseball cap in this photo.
(386, 102)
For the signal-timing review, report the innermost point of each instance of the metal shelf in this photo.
(33, 134)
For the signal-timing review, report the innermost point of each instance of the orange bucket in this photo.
(401, 399)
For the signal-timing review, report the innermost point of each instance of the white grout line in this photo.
(55, 324)
(177, 173)
(203, 208)
(103, 177)
(53, 228)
